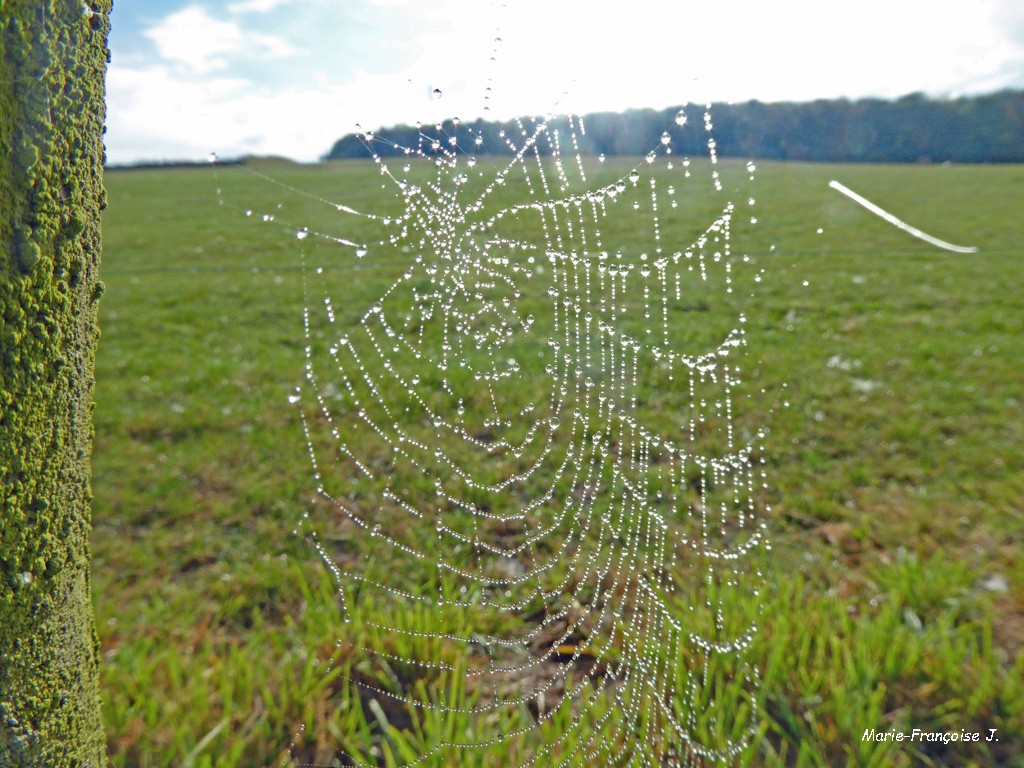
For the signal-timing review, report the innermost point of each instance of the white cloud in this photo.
(152, 113)
(155, 114)
(202, 94)
(256, 6)
(201, 44)
(728, 50)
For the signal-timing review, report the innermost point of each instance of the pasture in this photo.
(892, 394)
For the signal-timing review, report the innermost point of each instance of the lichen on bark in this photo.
(53, 57)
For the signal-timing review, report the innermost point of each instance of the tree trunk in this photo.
(53, 58)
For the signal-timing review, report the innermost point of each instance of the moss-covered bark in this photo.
(53, 58)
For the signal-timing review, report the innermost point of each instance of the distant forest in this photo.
(914, 128)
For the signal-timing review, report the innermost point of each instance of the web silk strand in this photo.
(863, 201)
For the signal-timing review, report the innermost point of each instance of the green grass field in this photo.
(896, 577)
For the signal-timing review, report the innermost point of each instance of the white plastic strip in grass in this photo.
(898, 223)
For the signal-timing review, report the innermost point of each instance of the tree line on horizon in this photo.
(913, 128)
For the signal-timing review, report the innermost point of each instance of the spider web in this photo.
(541, 520)
(511, 459)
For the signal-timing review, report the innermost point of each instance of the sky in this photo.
(289, 77)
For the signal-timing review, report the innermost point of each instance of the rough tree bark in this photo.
(53, 57)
